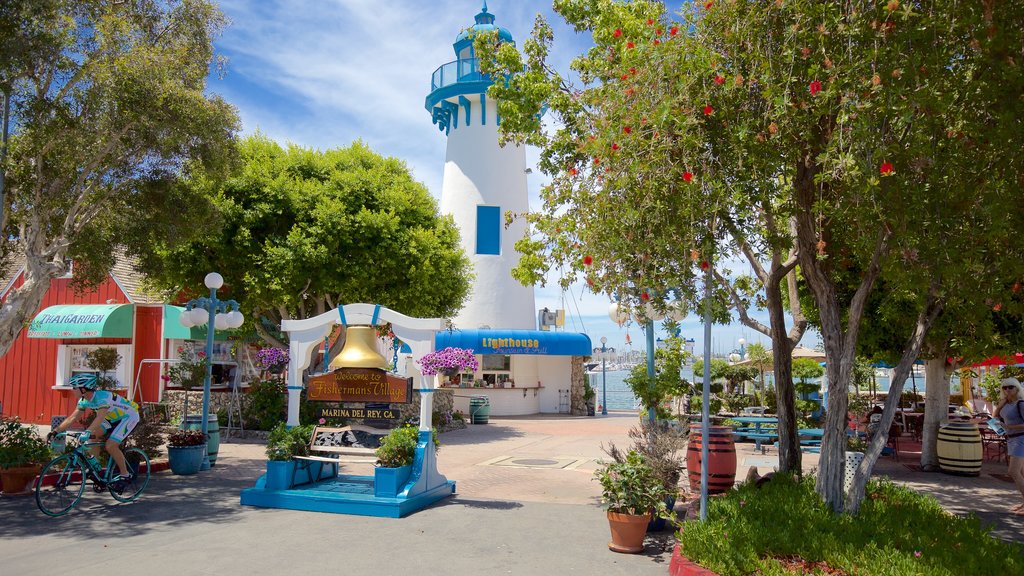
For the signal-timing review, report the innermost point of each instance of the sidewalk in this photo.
(526, 504)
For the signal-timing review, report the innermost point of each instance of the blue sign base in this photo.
(350, 494)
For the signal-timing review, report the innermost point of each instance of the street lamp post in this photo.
(217, 315)
(604, 377)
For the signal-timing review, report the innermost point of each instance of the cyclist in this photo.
(114, 415)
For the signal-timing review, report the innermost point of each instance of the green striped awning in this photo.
(83, 321)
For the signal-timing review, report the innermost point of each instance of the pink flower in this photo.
(323, 421)
(917, 553)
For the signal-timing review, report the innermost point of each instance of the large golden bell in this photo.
(360, 350)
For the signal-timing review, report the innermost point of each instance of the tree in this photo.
(631, 206)
(108, 107)
(807, 369)
(668, 382)
(305, 231)
(809, 115)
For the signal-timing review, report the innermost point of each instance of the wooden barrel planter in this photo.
(959, 448)
(721, 459)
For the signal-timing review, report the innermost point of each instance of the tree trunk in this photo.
(782, 358)
(21, 304)
(936, 413)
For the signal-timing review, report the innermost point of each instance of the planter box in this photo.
(388, 482)
(186, 460)
(284, 475)
(19, 481)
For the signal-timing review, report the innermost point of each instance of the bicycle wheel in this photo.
(60, 486)
(138, 463)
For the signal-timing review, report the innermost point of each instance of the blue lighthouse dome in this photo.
(484, 23)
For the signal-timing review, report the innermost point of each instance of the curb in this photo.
(682, 566)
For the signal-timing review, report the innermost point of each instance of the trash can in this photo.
(479, 409)
(195, 422)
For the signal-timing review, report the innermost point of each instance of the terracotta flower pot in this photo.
(19, 481)
(628, 531)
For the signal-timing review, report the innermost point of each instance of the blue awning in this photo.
(517, 342)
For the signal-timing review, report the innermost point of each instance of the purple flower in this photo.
(268, 358)
(448, 359)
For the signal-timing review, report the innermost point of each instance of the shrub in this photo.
(398, 448)
(147, 436)
(268, 404)
(283, 443)
(630, 486)
(754, 530)
(181, 438)
(663, 450)
(21, 445)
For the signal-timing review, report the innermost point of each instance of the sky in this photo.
(324, 73)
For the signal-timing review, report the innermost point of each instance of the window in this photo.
(488, 230)
(71, 360)
(501, 362)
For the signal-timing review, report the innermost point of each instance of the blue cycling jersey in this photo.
(117, 406)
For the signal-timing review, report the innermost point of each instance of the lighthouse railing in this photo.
(462, 70)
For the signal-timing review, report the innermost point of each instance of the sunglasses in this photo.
(1009, 387)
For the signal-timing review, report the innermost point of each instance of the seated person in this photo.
(871, 421)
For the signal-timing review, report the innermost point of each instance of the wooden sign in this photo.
(360, 385)
(375, 414)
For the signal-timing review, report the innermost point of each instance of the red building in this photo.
(144, 331)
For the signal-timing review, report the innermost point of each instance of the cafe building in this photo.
(69, 324)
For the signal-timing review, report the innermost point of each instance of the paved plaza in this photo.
(526, 504)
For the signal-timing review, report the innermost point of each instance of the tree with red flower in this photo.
(815, 87)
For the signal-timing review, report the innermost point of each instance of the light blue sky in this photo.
(322, 74)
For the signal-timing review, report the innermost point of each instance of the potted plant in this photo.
(22, 454)
(272, 360)
(629, 491)
(589, 396)
(394, 460)
(185, 450)
(663, 449)
(448, 361)
(283, 446)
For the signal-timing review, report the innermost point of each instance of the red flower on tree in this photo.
(645, 296)
(650, 22)
(687, 177)
(656, 41)
(719, 80)
(815, 87)
(630, 44)
(658, 31)
(572, 171)
(615, 146)
(704, 265)
(588, 260)
(708, 110)
(596, 160)
(627, 129)
(632, 71)
(708, 4)
(617, 33)
(673, 31)
(998, 307)
(886, 169)
(624, 77)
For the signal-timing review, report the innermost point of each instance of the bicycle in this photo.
(62, 482)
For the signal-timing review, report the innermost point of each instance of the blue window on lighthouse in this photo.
(488, 230)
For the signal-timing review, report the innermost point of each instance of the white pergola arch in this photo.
(306, 334)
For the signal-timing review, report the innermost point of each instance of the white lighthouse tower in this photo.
(482, 182)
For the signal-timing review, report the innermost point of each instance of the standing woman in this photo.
(1011, 411)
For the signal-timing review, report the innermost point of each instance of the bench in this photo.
(327, 445)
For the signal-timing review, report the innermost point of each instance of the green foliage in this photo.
(807, 369)
(714, 405)
(589, 394)
(398, 448)
(305, 228)
(662, 449)
(21, 445)
(990, 384)
(898, 531)
(190, 372)
(109, 110)
(283, 443)
(104, 360)
(147, 434)
(667, 384)
(736, 402)
(268, 405)
(630, 486)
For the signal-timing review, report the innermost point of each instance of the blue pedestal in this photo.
(349, 494)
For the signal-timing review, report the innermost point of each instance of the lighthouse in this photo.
(482, 182)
